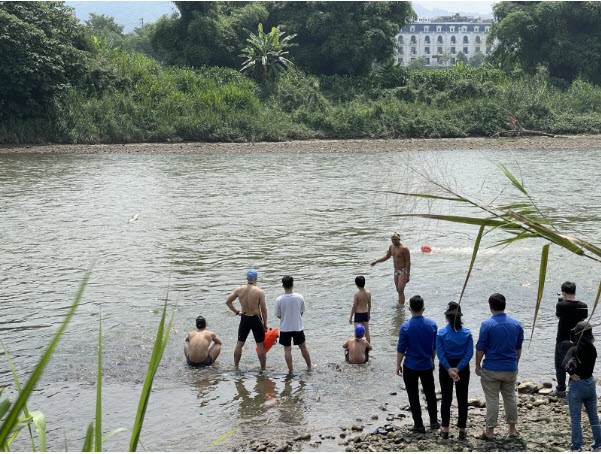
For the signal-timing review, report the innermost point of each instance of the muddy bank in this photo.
(363, 145)
(544, 425)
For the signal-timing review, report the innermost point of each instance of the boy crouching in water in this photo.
(361, 306)
(198, 349)
(356, 349)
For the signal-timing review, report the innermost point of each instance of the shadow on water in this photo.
(397, 320)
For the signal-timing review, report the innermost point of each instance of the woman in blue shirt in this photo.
(454, 348)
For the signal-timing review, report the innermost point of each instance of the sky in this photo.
(480, 7)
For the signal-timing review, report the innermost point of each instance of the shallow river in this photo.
(203, 219)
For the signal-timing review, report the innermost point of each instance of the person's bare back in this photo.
(357, 350)
(198, 343)
(362, 301)
(250, 297)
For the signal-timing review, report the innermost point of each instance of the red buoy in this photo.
(426, 248)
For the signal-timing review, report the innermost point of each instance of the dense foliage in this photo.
(42, 48)
(564, 37)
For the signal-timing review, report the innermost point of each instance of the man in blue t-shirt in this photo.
(500, 344)
(417, 347)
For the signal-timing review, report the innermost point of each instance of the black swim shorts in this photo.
(287, 336)
(248, 323)
(207, 362)
(361, 317)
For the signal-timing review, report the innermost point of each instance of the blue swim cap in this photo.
(251, 275)
(359, 330)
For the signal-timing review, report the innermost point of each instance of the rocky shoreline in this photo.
(544, 425)
(326, 146)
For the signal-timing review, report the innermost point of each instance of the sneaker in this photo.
(597, 449)
(462, 434)
(435, 425)
(558, 393)
(418, 430)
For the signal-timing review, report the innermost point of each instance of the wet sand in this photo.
(326, 146)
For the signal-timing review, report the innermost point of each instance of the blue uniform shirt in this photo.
(451, 344)
(417, 341)
(500, 338)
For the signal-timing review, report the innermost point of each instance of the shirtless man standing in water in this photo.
(254, 316)
(401, 261)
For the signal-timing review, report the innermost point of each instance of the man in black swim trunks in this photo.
(254, 316)
(197, 347)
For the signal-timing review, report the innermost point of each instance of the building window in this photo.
(439, 28)
(488, 49)
(401, 50)
(427, 61)
(478, 40)
(413, 51)
(427, 50)
(413, 39)
(486, 29)
(427, 40)
(453, 61)
(426, 28)
(465, 51)
(453, 50)
(452, 28)
(439, 50)
(465, 40)
(476, 28)
(440, 40)
(477, 48)
(412, 28)
(453, 40)
(400, 39)
(401, 61)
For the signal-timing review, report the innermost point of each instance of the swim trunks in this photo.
(287, 336)
(400, 272)
(361, 317)
(207, 362)
(248, 323)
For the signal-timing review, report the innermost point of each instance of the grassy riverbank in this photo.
(131, 98)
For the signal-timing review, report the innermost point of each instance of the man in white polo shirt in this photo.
(289, 308)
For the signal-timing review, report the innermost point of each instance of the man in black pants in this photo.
(569, 311)
(417, 346)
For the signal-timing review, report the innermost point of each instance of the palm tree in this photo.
(265, 54)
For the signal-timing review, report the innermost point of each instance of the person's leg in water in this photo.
(305, 353)
(238, 353)
(288, 357)
(400, 281)
(214, 351)
(262, 354)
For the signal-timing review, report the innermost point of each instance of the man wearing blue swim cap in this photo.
(253, 316)
(357, 348)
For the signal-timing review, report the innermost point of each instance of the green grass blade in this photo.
(544, 260)
(112, 433)
(13, 416)
(513, 179)
(224, 437)
(427, 196)
(39, 420)
(596, 301)
(474, 254)
(98, 425)
(4, 407)
(155, 359)
(462, 219)
(89, 440)
(18, 387)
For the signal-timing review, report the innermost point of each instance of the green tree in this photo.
(417, 63)
(206, 33)
(43, 52)
(265, 54)
(106, 29)
(477, 60)
(565, 37)
(140, 41)
(341, 37)
(461, 57)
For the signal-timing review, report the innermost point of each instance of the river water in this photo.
(203, 219)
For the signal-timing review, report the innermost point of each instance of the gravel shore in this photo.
(328, 146)
(543, 423)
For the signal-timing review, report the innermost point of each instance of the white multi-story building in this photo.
(440, 40)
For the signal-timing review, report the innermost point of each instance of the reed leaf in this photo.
(4, 407)
(11, 420)
(39, 420)
(224, 437)
(155, 359)
(462, 219)
(89, 440)
(428, 196)
(512, 178)
(542, 274)
(474, 254)
(112, 433)
(596, 300)
(98, 425)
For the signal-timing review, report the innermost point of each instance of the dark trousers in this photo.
(561, 348)
(411, 377)
(461, 389)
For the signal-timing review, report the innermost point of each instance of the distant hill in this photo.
(129, 14)
(424, 12)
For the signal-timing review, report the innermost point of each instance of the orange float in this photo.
(426, 248)
(270, 337)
